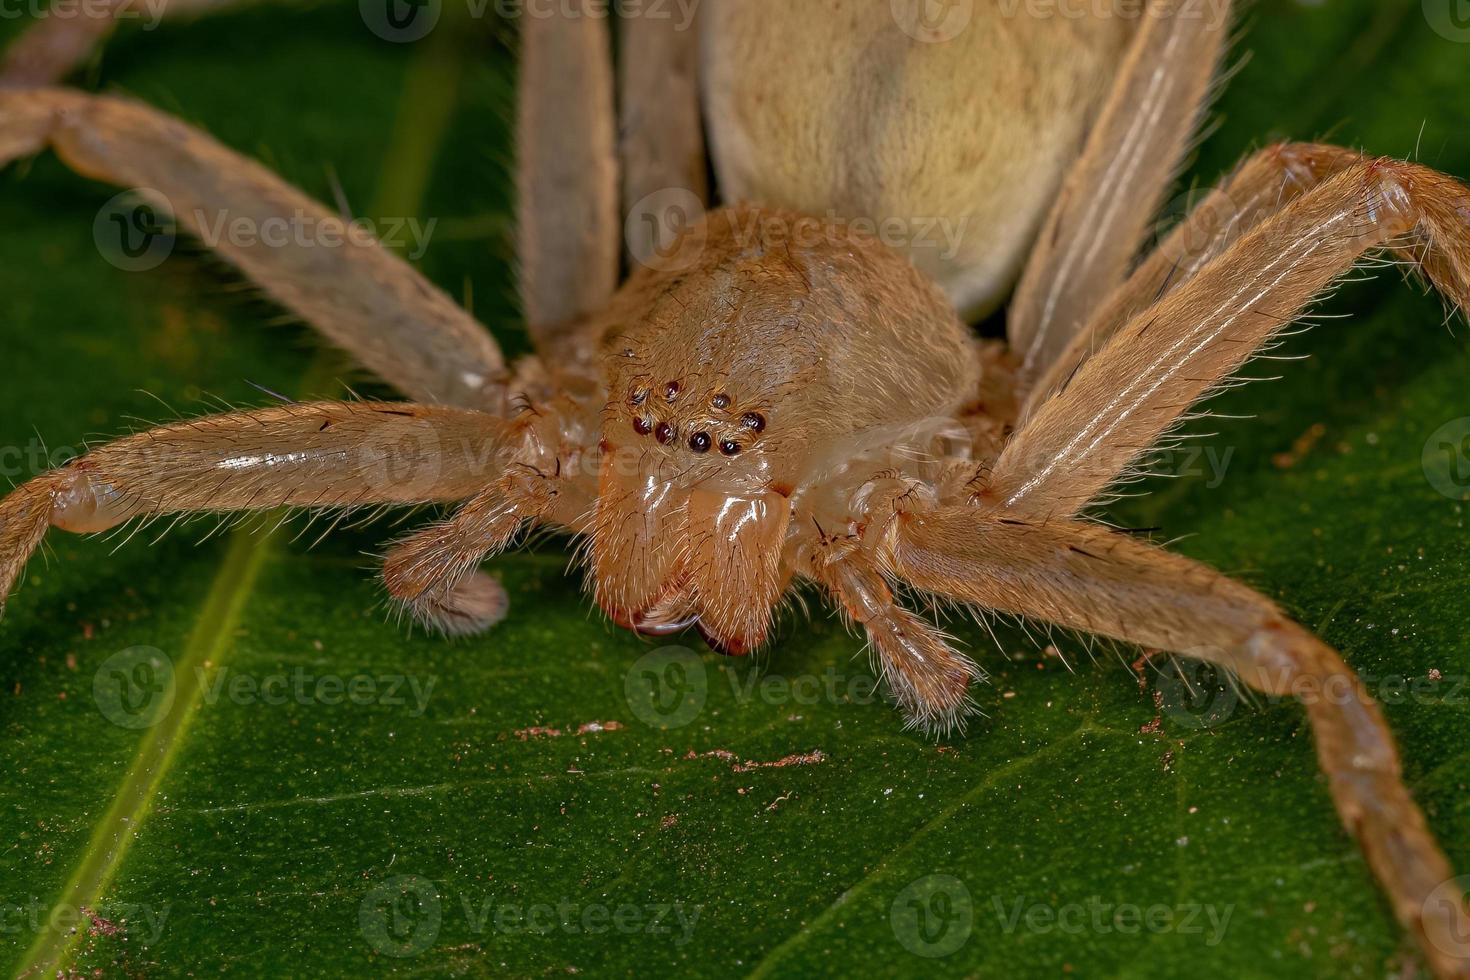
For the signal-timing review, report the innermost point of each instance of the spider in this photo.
(785, 390)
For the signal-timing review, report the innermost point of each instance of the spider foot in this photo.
(928, 678)
(473, 605)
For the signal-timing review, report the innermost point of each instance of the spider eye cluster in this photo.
(726, 428)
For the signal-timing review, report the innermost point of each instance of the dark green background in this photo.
(270, 825)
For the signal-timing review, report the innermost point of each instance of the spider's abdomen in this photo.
(951, 124)
(770, 347)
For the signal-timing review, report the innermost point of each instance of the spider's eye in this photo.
(754, 421)
(642, 425)
(671, 391)
(721, 400)
(729, 447)
(699, 442)
(664, 433)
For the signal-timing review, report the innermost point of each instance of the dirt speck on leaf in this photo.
(800, 759)
(544, 731)
(1303, 445)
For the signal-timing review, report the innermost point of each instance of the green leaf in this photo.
(182, 799)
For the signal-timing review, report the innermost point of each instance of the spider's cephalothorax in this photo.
(750, 377)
